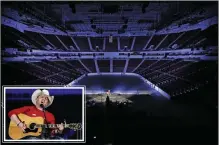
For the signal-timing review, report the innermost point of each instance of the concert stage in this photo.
(117, 83)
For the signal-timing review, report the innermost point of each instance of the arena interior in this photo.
(158, 60)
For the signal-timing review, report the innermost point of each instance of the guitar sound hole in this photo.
(27, 130)
(32, 126)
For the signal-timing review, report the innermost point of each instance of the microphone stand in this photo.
(45, 132)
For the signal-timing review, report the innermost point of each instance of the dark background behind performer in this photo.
(68, 107)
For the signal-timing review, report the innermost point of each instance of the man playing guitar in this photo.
(39, 98)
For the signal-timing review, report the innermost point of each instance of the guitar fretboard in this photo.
(75, 126)
(47, 125)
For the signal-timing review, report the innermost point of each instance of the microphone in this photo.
(42, 106)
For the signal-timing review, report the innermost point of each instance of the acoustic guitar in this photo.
(34, 127)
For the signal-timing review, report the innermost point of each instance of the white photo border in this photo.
(4, 140)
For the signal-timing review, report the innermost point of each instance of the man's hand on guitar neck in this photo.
(60, 127)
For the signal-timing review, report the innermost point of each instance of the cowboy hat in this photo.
(38, 92)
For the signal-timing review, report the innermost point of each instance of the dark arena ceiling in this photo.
(172, 44)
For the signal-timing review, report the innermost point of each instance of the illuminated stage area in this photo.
(117, 83)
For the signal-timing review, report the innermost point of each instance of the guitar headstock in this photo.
(74, 126)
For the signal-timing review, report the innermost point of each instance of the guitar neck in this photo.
(50, 125)
(75, 126)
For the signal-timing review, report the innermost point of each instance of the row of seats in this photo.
(193, 38)
(180, 77)
(46, 72)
